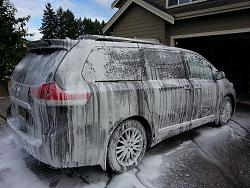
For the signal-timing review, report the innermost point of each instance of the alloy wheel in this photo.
(129, 146)
(226, 111)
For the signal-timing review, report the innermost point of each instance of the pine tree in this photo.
(86, 24)
(91, 27)
(12, 38)
(70, 26)
(62, 24)
(102, 26)
(81, 27)
(97, 27)
(49, 23)
(59, 15)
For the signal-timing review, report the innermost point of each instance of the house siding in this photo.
(161, 2)
(212, 23)
(140, 23)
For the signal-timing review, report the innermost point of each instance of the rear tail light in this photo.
(52, 92)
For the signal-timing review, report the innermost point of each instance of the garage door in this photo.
(230, 53)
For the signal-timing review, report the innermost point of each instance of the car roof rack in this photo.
(65, 44)
(116, 39)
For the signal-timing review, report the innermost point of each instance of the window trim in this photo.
(178, 3)
(182, 4)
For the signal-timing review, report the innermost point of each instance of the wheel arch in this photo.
(143, 121)
(149, 130)
(232, 98)
(147, 127)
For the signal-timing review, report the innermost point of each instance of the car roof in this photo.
(68, 44)
(117, 39)
(128, 42)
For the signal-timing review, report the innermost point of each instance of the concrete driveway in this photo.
(204, 157)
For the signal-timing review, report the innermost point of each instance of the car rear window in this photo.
(38, 66)
(113, 64)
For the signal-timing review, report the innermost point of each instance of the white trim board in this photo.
(212, 33)
(214, 10)
(143, 4)
(114, 3)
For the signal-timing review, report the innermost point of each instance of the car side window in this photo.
(198, 66)
(164, 64)
(113, 64)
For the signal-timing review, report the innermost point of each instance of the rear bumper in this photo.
(47, 151)
(57, 138)
(30, 144)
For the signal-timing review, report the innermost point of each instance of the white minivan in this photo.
(103, 100)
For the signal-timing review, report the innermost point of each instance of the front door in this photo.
(205, 88)
(168, 91)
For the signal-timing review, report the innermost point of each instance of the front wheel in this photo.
(127, 146)
(226, 111)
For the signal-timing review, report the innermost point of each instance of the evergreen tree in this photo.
(87, 26)
(68, 25)
(63, 24)
(81, 27)
(60, 32)
(98, 28)
(94, 28)
(49, 23)
(12, 43)
(102, 26)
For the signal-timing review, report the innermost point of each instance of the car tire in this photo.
(127, 146)
(226, 111)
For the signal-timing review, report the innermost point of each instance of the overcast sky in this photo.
(100, 9)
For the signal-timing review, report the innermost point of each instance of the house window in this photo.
(178, 2)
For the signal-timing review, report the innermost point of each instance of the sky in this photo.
(95, 9)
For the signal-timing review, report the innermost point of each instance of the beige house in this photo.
(217, 29)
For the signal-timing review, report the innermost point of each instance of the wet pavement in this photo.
(204, 157)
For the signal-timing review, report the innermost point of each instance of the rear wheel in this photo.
(127, 146)
(226, 111)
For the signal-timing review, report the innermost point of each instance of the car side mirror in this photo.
(220, 75)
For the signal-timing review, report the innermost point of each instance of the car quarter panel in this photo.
(116, 101)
